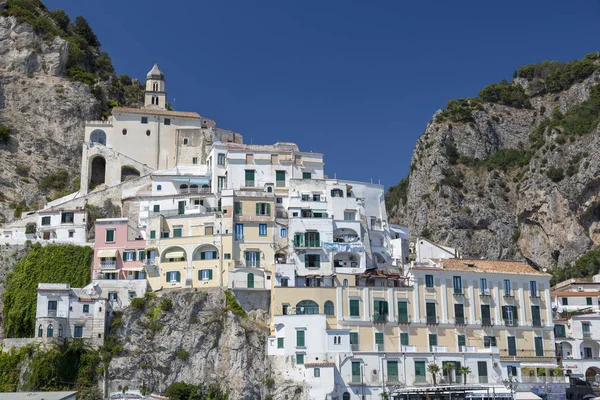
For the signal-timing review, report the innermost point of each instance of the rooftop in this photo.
(37, 395)
(575, 294)
(145, 111)
(487, 266)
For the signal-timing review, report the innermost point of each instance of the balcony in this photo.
(193, 190)
(354, 346)
(408, 349)
(530, 354)
(249, 184)
(280, 184)
(487, 322)
(508, 294)
(439, 349)
(312, 244)
(511, 322)
(458, 292)
(544, 379)
(460, 321)
(485, 293)
(379, 347)
(356, 379)
(587, 334)
(535, 295)
(392, 379)
(404, 319)
(111, 264)
(483, 379)
(380, 318)
(432, 320)
(420, 379)
(537, 323)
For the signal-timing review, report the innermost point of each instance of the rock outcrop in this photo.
(199, 340)
(544, 208)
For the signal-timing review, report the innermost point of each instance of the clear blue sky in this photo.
(356, 80)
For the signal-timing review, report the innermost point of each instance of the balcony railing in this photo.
(194, 190)
(432, 320)
(392, 379)
(280, 184)
(528, 354)
(487, 322)
(420, 379)
(458, 292)
(484, 293)
(404, 319)
(587, 334)
(379, 347)
(354, 346)
(311, 244)
(460, 321)
(511, 322)
(537, 322)
(249, 184)
(380, 318)
(355, 378)
(112, 264)
(483, 379)
(508, 294)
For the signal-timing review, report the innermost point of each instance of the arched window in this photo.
(158, 187)
(60, 330)
(345, 282)
(346, 396)
(329, 309)
(194, 188)
(269, 189)
(183, 186)
(307, 307)
(40, 331)
(155, 87)
(50, 331)
(98, 136)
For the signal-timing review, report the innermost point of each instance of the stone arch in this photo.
(98, 171)
(128, 172)
(345, 235)
(592, 374)
(173, 254)
(379, 258)
(98, 136)
(197, 254)
(589, 349)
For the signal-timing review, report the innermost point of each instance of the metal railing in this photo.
(484, 292)
(194, 190)
(529, 353)
(487, 322)
(432, 320)
(460, 321)
(379, 347)
(458, 292)
(355, 378)
(249, 184)
(511, 322)
(483, 379)
(537, 322)
(404, 319)
(354, 346)
(380, 318)
(108, 264)
(587, 334)
(280, 184)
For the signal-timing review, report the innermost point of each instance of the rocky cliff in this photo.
(192, 336)
(513, 173)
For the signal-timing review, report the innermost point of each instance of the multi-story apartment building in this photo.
(578, 345)
(383, 330)
(577, 294)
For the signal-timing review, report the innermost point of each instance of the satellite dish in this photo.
(544, 269)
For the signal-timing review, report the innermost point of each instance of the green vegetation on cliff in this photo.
(397, 195)
(552, 76)
(44, 264)
(186, 391)
(586, 266)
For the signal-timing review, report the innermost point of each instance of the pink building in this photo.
(119, 250)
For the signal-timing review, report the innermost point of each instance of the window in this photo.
(45, 220)
(511, 370)
(71, 234)
(512, 346)
(131, 295)
(489, 341)
(60, 330)
(129, 255)
(380, 308)
(283, 232)
(167, 121)
(345, 283)
(379, 341)
(565, 301)
(144, 120)
(205, 274)
(482, 371)
(533, 289)
(227, 256)
(78, 331)
(585, 329)
(462, 342)
(67, 217)
(52, 304)
(349, 215)
(433, 341)
(392, 371)
(194, 160)
(420, 376)
(403, 311)
(354, 308)
(459, 314)
(483, 287)
(300, 338)
(355, 371)
(306, 175)
(239, 231)
(539, 347)
(486, 318)
(185, 140)
(112, 296)
(457, 283)
(431, 313)
(429, 281)
(156, 208)
(221, 159)
(209, 255)
(141, 255)
(507, 288)
(299, 359)
(588, 301)
(560, 331)
(148, 133)
(280, 343)
(510, 315)
(253, 259)
(152, 234)
(312, 261)
(263, 209)
(337, 193)
(536, 316)
(316, 372)
(173, 276)
(177, 231)
(404, 339)
(329, 308)
(86, 308)
(249, 175)
(50, 331)
(40, 331)
(262, 229)
(354, 340)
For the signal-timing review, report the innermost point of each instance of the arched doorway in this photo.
(98, 173)
(128, 173)
(592, 374)
(307, 307)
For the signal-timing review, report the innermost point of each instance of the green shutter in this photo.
(419, 370)
(215, 256)
(354, 308)
(258, 259)
(355, 368)
(280, 343)
(433, 339)
(404, 339)
(300, 359)
(353, 337)
(133, 255)
(306, 262)
(268, 208)
(142, 255)
(257, 208)
(318, 261)
(178, 274)
(515, 314)
(392, 368)
(384, 308)
(299, 338)
(280, 175)
(152, 234)
(210, 276)
(462, 341)
(512, 346)
(378, 338)
(539, 347)
(249, 174)
(482, 368)
(318, 239)
(402, 311)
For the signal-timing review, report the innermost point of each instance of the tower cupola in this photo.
(155, 94)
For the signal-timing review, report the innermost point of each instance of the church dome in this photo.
(155, 73)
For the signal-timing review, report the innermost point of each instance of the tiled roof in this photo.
(324, 364)
(575, 294)
(150, 111)
(489, 266)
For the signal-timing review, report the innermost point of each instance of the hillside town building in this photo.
(357, 311)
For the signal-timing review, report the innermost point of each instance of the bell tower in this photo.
(155, 95)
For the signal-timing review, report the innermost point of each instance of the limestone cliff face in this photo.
(198, 341)
(519, 212)
(45, 111)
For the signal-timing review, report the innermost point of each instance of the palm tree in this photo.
(448, 368)
(464, 371)
(433, 370)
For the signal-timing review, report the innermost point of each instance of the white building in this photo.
(64, 226)
(424, 249)
(578, 345)
(65, 313)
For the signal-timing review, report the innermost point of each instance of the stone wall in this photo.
(252, 300)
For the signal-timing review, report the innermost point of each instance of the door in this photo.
(431, 315)
(485, 315)
(181, 207)
(512, 346)
(250, 281)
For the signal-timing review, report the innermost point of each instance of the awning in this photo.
(133, 269)
(319, 211)
(107, 253)
(174, 254)
(527, 396)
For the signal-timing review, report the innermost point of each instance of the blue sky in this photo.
(356, 80)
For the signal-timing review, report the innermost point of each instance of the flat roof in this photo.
(36, 395)
(151, 111)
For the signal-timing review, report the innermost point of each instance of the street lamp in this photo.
(511, 384)
(547, 388)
